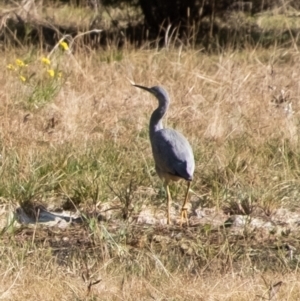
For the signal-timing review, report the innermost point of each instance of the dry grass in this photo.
(65, 285)
(86, 143)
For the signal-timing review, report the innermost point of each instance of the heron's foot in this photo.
(184, 217)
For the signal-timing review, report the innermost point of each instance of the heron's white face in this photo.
(159, 92)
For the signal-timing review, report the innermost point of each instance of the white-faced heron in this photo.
(173, 155)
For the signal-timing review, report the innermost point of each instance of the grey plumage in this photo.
(173, 155)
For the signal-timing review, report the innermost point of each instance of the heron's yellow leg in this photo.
(169, 200)
(184, 215)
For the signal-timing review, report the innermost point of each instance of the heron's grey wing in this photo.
(173, 153)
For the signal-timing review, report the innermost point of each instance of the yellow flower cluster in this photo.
(46, 61)
(18, 66)
(11, 67)
(23, 78)
(51, 72)
(20, 63)
(64, 45)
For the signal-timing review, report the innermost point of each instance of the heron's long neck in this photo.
(156, 119)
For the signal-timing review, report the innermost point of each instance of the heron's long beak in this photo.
(145, 88)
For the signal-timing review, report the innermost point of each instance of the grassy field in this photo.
(74, 136)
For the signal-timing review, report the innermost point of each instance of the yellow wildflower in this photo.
(11, 67)
(51, 72)
(23, 78)
(45, 61)
(64, 45)
(59, 74)
(20, 63)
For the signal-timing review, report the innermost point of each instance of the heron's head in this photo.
(159, 92)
